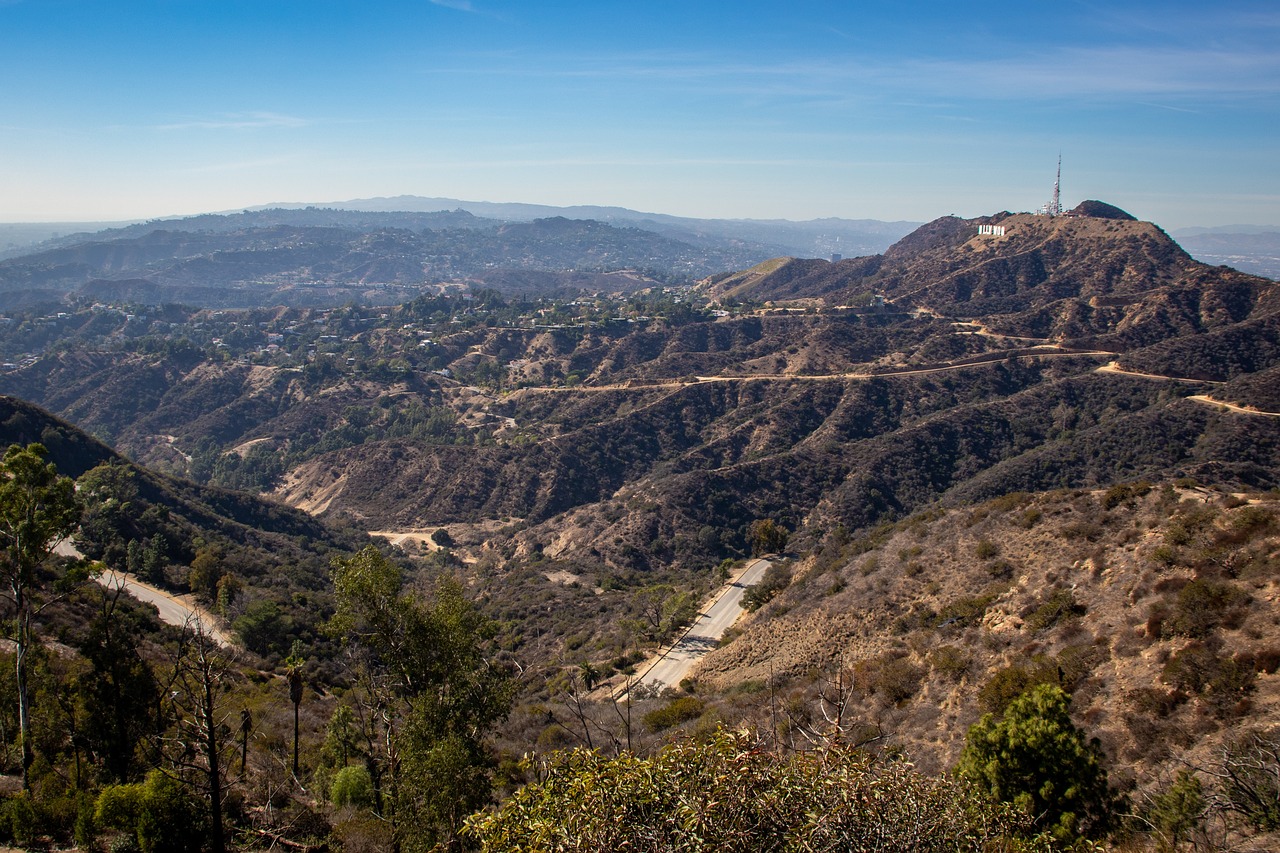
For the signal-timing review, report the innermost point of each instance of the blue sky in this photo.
(115, 109)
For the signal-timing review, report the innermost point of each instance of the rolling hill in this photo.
(1044, 450)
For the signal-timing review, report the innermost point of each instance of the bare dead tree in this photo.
(837, 726)
(1248, 779)
(202, 730)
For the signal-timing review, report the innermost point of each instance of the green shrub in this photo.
(1221, 681)
(1201, 606)
(1123, 493)
(1058, 606)
(949, 662)
(170, 820)
(967, 610)
(675, 712)
(86, 831)
(895, 679)
(731, 794)
(157, 813)
(1176, 534)
(1179, 811)
(776, 578)
(1036, 759)
(1029, 518)
(18, 820)
(1009, 683)
(352, 787)
(1253, 519)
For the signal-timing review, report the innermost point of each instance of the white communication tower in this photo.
(1054, 208)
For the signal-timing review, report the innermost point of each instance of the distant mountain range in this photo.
(716, 244)
(813, 238)
(809, 238)
(322, 256)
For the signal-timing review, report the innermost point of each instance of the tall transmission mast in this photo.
(1054, 208)
(1056, 204)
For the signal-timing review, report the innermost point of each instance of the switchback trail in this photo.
(1233, 407)
(1036, 352)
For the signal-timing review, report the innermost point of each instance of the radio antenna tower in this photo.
(1054, 208)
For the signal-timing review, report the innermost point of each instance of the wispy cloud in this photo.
(460, 5)
(1101, 73)
(238, 121)
(1069, 72)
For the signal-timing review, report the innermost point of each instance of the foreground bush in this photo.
(732, 795)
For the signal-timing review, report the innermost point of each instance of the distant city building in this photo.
(836, 257)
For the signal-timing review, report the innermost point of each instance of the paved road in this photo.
(705, 633)
(173, 610)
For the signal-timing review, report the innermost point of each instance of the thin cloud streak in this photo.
(459, 5)
(1106, 72)
(239, 121)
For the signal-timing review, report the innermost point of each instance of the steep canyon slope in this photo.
(957, 366)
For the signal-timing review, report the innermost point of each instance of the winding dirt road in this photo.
(1232, 407)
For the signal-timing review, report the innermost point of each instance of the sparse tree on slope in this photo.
(1038, 760)
(431, 689)
(38, 509)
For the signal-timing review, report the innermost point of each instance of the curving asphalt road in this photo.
(705, 633)
(172, 609)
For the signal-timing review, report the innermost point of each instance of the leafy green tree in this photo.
(108, 492)
(431, 687)
(38, 510)
(119, 693)
(206, 571)
(264, 626)
(768, 537)
(732, 794)
(341, 738)
(1178, 813)
(156, 813)
(660, 611)
(1036, 759)
(776, 578)
(154, 559)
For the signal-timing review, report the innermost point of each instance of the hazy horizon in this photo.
(140, 110)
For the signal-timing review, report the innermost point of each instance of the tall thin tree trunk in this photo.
(20, 673)
(217, 842)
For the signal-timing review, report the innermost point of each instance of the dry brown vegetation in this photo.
(1156, 607)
